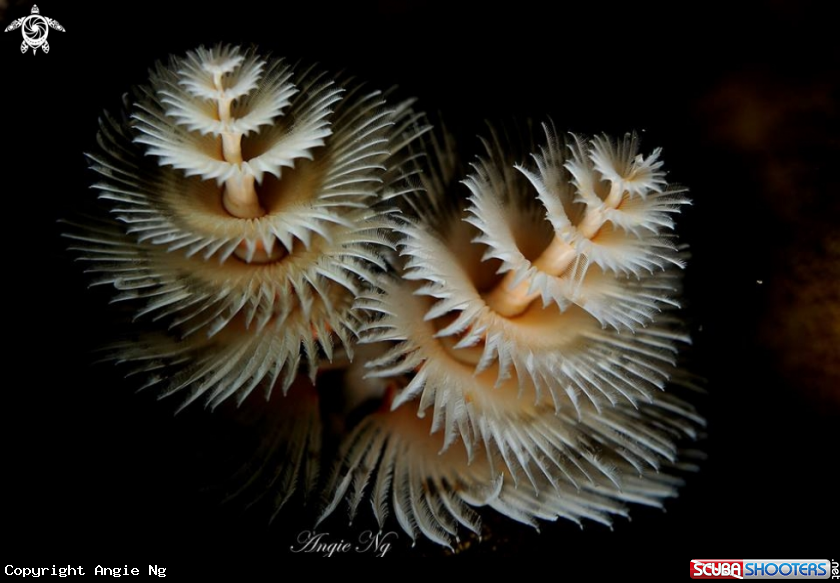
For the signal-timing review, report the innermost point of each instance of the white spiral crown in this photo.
(244, 200)
(536, 322)
(264, 222)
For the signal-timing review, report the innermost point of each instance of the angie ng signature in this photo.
(377, 543)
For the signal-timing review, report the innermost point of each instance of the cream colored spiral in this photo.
(530, 339)
(516, 334)
(244, 201)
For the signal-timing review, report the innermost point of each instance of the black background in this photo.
(744, 101)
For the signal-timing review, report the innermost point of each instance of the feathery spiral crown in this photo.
(254, 211)
(545, 381)
(245, 193)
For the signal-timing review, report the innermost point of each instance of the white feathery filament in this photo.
(511, 297)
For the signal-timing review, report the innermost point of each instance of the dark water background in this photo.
(744, 101)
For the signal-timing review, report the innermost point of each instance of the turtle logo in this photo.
(35, 29)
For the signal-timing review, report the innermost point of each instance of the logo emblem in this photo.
(791, 569)
(35, 29)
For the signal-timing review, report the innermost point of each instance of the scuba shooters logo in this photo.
(762, 569)
(717, 569)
